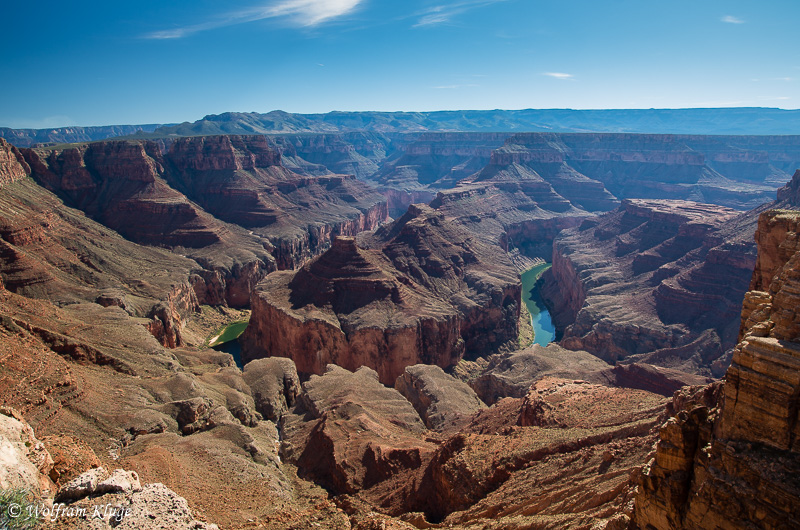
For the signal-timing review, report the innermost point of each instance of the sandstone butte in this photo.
(422, 291)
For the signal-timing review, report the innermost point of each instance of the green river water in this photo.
(543, 328)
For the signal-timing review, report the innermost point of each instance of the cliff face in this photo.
(241, 180)
(512, 206)
(51, 252)
(354, 153)
(12, 164)
(438, 160)
(119, 184)
(420, 294)
(729, 458)
(226, 201)
(655, 281)
(739, 172)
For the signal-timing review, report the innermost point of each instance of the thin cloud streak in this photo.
(559, 75)
(443, 14)
(730, 19)
(304, 13)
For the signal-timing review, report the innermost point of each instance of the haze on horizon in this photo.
(97, 63)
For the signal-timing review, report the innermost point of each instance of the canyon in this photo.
(728, 456)
(383, 383)
(416, 291)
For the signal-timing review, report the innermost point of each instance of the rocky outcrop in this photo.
(777, 240)
(790, 193)
(274, 385)
(729, 456)
(516, 472)
(654, 281)
(655, 379)
(511, 375)
(442, 401)
(421, 293)
(12, 164)
(326, 313)
(360, 433)
(103, 500)
(24, 461)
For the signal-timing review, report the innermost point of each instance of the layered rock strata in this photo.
(225, 201)
(438, 160)
(12, 164)
(739, 172)
(422, 292)
(51, 252)
(729, 458)
(655, 281)
(241, 180)
(514, 206)
(351, 153)
(442, 401)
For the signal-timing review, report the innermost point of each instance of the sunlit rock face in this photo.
(729, 458)
(417, 291)
(659, 281)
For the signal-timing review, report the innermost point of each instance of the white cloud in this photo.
(559, 75)
(730, 19)
(441, 14)
(304, 13)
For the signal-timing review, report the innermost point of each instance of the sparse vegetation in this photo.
(17, 509)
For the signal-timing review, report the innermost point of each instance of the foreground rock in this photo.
(729, 457)
(24, 461)
(423, 292)
(356, 433)
(564, 456)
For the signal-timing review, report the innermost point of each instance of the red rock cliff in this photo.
(654, 276)
(12, 164)
(730, 457)
(421, 294)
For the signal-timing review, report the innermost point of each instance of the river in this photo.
(228, 341)
(544, 332)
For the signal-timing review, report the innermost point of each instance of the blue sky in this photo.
(95, 63)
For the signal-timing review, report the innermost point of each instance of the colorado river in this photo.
(543, 328)
(228, 341)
